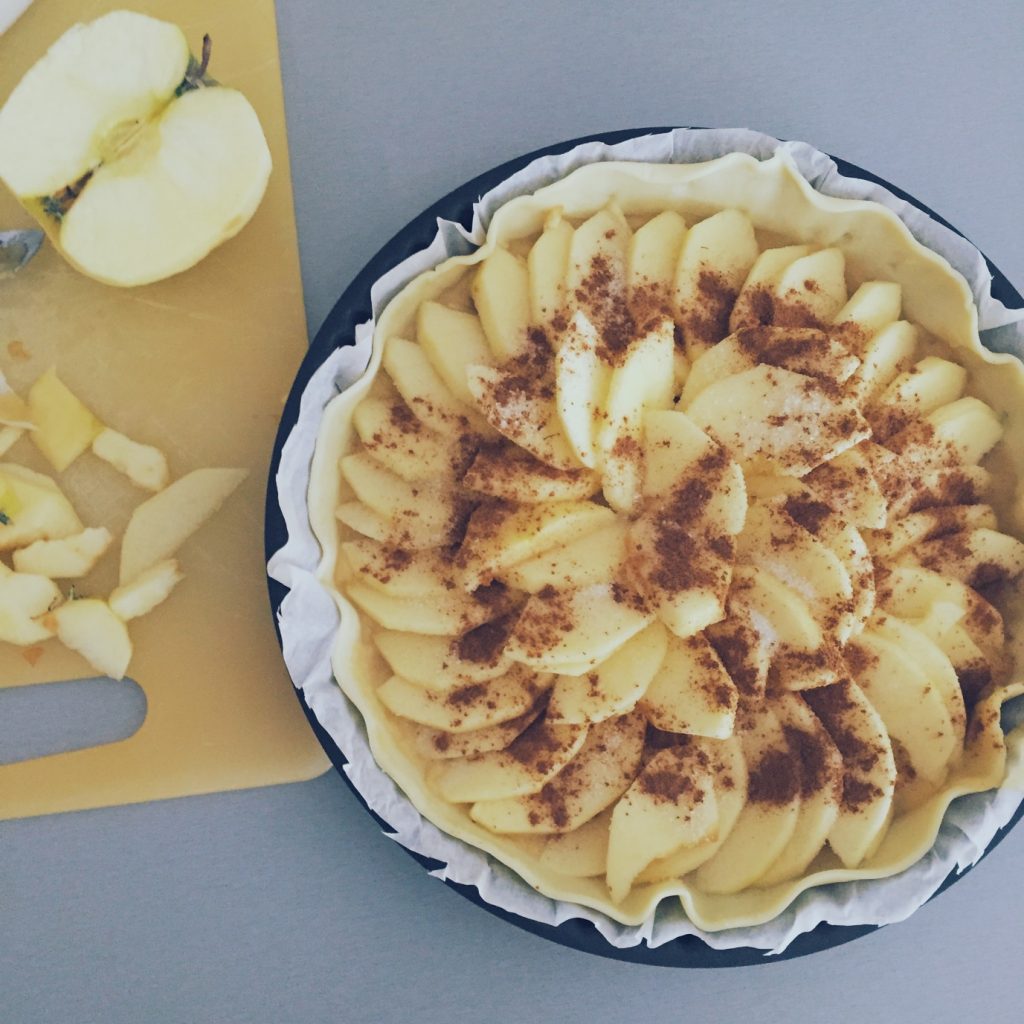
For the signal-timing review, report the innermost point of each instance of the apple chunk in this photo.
(69, 558)
(159, 526)
(94, 631)
(143, 464)
(33, 508)
(146, 591)
(23, 598)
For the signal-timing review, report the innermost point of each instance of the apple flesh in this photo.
(132, 160)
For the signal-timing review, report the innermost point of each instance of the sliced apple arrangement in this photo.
(133, 159)
(678, 553)
(50, 548)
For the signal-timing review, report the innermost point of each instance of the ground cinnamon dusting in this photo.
(775, 779)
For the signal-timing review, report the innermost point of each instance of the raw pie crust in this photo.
(664, 509)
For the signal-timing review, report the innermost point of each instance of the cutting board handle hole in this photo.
(52, 718)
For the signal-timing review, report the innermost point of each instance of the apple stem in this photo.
(204, 63)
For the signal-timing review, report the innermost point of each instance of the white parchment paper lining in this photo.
(308, 617)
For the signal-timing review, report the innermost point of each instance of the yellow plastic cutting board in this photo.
(199, 365)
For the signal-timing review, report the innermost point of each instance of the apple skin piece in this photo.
(716, 257)
(671, 804)
(596, 777)
(729, 768)
(64, 426)
(399, 441)
(768, 820)
(452, 341)
(89, 627)
(472, 707)
(740, 412)
(501, 294)
(691, 692)
(524, 767)
(143, 464)
(758, 289)
(582, 853)
(35, 506)
(64, 116)
(146, 591)
(869, 771)
(547, 263)
(161, 524)
(69, 558)
(573, 631)
(615, 686)
(821, 778)
(434, 662)
(25, 600)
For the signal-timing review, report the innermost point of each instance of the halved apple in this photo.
(135, 162)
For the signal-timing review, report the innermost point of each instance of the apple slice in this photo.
(547, 264)
(400, 442)
(434, 613)
(34, 508)
(146, 591)
(24, 601)
(643, 380)
(414, 535)
(968, 427)
(445, 663)
(510, 473)
(716, 257)
(522, 408)
(729, 772)
(869, 771)
(161, 524)
(396, 572)
(615, 686)
(930, 524)
(575, 629)
(595, 557)
(762, 416)
(426, 505)
(691, 692)
(582, 853)
(848, 482)
(755, 303)
(524, 767)
(501, 294)
(780, 615)
(64, 426)
(582, 378)
(89, 627)
(931, 383)
(873, 306)
(812, 289)
(768, 820)
(468, 708)
(426, 394)
(596, 777)
(500, 535)
(452, 341)
(821, 788)
(744, 650)
(596, 272)
(438, 745)
(978, 558)
(651, 261)
(883, 358)
(143, 464)
(69, 558)
(671, 804)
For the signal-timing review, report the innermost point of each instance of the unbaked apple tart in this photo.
(673, 533)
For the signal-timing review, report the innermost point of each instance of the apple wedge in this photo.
(582, 853)
(452, 341)
(156, 165)
(812, 289)
(872, 307)
(143, 464)
(438, 745)
(755, 304)
(596, 557)
(670, 804)
(90, 628)
(438, 612)
(651, 260)
(445, 662)
(508, 472)
(501, 294)
(883, 358)
(395, 572)
(69, 558)
(582, 377)
(160, 525)
(547, 264)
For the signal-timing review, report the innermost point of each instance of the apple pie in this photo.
(673, 536)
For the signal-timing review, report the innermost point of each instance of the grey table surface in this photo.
(286, 904)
